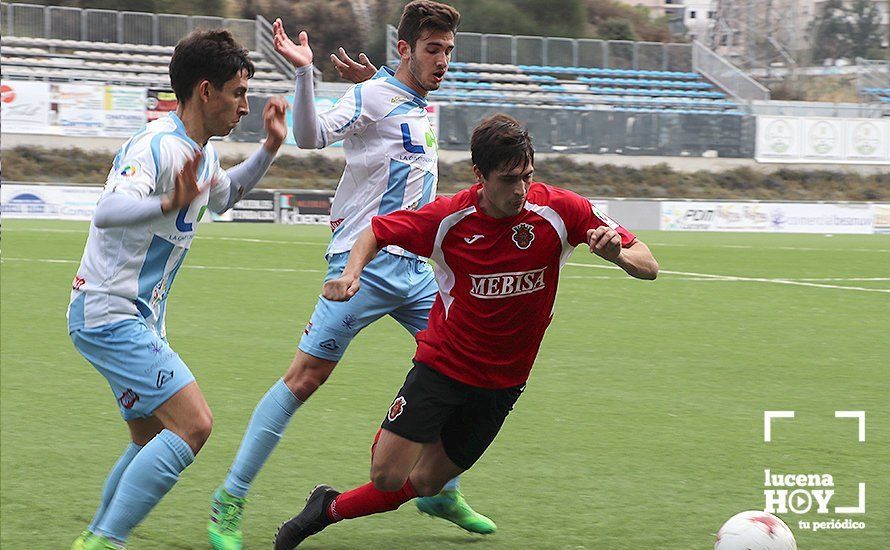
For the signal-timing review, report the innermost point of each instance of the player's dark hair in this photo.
(500, 142)
(212, 55)
(422, 15)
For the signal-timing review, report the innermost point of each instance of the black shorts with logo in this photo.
(431, 405)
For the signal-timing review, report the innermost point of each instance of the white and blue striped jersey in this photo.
(127, 271)
(391, 156)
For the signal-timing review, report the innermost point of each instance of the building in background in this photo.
(693, 19)
(763, 33)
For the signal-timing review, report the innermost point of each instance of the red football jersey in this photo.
(497, 277)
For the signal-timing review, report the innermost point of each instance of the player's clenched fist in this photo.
(341, 289)
(605, 242)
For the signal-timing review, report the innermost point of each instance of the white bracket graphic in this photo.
(854, 414)
(854, 509)
(767, 421)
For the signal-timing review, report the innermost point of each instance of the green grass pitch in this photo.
(642, 425)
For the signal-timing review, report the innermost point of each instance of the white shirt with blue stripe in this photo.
(391, 156)
(126, 271)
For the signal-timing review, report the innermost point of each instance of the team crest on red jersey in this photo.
(396, 409)
(523, 235)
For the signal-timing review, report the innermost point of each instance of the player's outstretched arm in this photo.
(307, 131)
(346, 285)
(121, 208)
(637, 260)
(351, 70)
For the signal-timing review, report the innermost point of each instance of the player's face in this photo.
(428, 61)
(225, 107)
(504, 191)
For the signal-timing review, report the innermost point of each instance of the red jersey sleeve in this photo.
(413, 230)
(581, 215)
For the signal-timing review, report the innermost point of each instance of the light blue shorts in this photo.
(140, 366)
(404, 288)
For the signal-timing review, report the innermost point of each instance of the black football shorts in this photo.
(431, 406)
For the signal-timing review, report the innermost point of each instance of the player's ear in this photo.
(404, 49)
(203, 90)
(478, 173)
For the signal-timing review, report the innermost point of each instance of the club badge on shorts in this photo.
(396, 409)
(523, 235)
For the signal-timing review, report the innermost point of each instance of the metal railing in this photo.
(873, 73)
(470, 47)
(726, 75)
(122, 27)
(817, 109)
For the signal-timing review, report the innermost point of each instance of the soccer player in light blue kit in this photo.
(391, 164)
(162, 180)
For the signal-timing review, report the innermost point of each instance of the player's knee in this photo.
(199, 430)
(387, 480)
(302, 379)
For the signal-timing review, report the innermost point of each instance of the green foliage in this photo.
(316, 171)
(846, 31)
(616, 29)
(329, 23)
(643, 26)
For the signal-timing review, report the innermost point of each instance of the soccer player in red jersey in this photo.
(498, 248)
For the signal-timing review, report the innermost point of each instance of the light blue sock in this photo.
(150, 475)
(111, 482)
(452, 485)
(265, 429)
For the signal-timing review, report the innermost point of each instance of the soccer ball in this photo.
(755, 530)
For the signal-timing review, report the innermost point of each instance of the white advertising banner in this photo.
(25, 107)
(124, 111)
(768, 217)
(81, 108)
(778, 138)
(822, 140)
(866, 141)
(49, 201)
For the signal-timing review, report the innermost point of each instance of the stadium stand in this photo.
(62, 44)
(111, 63)
(878, 94)
(583, 88)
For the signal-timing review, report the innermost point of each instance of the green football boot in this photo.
(81, 540)
(224, 526)
(452, 506)
(98, 542)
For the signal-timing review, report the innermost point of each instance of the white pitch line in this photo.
(752, 247)
(185, 266)
(746, 279)
(822, 279)
(691, 276)
(201, 237)
(264, 241)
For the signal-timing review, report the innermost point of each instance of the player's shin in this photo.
(151, 474)
(112, 480)
(367, 500)
(267, 425)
